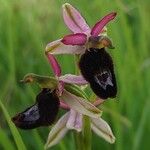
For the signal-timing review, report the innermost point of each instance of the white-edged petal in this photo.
(74, 79)
(57, 47)
(102, 129)
(57, 132)
(74, 121)
(74, 20)
(80, 105)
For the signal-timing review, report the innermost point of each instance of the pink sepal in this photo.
(73, 79)
(74, 20)
(75, 39)
(55, 66)
(96, 30)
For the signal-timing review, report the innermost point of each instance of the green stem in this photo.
(78, 140)
(76, 60)
(83, 139)
(86, 133)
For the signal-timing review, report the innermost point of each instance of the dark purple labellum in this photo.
(42, 113)
(97, 68)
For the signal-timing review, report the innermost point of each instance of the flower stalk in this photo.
(86, 133)
(78, 140)
(83, 140)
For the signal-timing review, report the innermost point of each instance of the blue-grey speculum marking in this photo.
(103, 79)
(32, 114)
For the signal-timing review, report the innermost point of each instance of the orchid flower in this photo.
(95, 64)
(82, 36)
(45, 109)
(61, 91)
(73, 119)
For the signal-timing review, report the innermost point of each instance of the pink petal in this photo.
(55, 66)
(70, 78)
(60, 87)
(74, 121)
(74, 20)
(57, 47)
(75, 39)
(100, 25)
(63, 105)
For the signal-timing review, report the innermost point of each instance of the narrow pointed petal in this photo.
(60, 87)
(75, 39)
(80, 105)
(70, 78)
(102, 129)
(55, 66)
(57, 132)
(74, 20)
(57, 47)
(74, 121)
(96, 30)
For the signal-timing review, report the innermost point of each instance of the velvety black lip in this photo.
(42, 113)
(95, 61)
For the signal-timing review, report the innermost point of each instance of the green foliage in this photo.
(26, 26)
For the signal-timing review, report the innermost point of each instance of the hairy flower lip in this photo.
(42, 113)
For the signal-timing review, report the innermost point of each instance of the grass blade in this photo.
(18, 140)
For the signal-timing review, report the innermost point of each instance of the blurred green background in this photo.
(26, 26)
